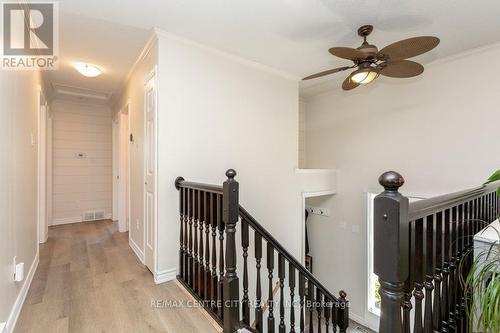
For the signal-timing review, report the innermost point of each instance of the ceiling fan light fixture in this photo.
(364, 75)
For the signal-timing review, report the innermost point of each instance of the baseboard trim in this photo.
(165, 275)
(74, 219)
(138, 252)
(18, 305)
(67, 220)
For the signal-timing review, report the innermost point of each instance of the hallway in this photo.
(89, 280)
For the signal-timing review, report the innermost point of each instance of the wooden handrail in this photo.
(180, 182)
(422, 208)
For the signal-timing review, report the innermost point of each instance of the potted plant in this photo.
(483, 284)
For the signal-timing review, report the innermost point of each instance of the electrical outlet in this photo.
(137, 224)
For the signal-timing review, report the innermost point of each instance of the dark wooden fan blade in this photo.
(349, 84)
(347, 53)
(328, 72)
(401, 68)
(408, 48)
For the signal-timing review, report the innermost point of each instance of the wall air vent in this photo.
(99, 215)
(88, 216)
(93, 215)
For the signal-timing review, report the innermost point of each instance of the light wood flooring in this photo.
(89, 280)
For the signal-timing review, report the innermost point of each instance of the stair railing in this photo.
(422, 252)
(209, 217)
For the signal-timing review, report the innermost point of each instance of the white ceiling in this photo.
(289, 35)
(113, 47)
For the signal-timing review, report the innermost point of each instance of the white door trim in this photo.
(123, 180)
(151, 76)
(115, 128)
(42, 232)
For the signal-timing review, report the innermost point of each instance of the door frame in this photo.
(121, 144)
(153, 75)
(42, 230)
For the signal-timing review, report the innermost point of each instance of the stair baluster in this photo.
(215, 282)
(302, 296)
(208, 222)
(453, 259)
(245, 303)
(291, 284)
(310, 305)
(319, 308)
(418, 272)
(281, 277)
(327, 306)
(438, 278)
(191, 254)
(201, 269)
(429, 271)
(258, 289)
(195, 240)
(270, 302)
(222, 228)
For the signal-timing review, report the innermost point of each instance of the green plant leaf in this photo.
(494, 177)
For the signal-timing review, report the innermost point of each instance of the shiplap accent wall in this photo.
(81, 184)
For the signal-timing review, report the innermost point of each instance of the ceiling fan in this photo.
(389, 61)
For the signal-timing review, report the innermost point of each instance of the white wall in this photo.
(216, 112)
(81, 184)
(18, 179)
(302, 133)
(440, 131)
(133, 93)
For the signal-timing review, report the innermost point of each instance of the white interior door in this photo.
(150, 171)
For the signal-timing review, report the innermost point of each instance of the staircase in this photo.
(223, 252)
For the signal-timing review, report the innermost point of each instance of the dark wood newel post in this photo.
(231, 281)
(391, 250)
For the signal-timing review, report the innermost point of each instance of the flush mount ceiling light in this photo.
(389, 61)
(87, 70)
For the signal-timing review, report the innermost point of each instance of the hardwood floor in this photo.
(89, 280)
